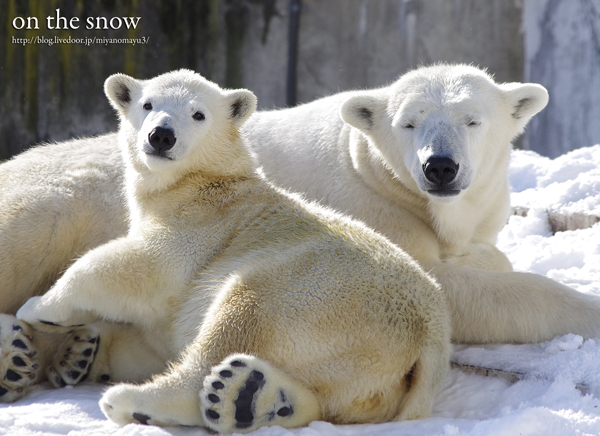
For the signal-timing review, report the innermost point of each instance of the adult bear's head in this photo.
(446, 128)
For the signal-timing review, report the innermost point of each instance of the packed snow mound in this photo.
(568, 184)
(547, 402)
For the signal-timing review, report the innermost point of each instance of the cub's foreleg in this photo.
(119, 281)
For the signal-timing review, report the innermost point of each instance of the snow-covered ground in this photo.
(548, 402)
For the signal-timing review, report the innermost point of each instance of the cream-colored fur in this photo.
(333, 321)
(57, 201)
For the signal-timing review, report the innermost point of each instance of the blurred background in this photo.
(293, 51)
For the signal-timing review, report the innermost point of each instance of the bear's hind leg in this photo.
(244, 393)
(253, 394)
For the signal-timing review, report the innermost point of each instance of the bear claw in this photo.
(141, 418)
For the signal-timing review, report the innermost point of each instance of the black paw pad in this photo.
(88, 352)
(12, 376)
(3, 391)
(284, 411)
(226, 373)
(18, 343)
(59, 381)
(82, 364)
(73, 374)
(213, 398)
(218, 385)
(212, 414)
(237, 364)
(17, 328)
(244, 415)
(141, 418)
(252, 386)
(18, 361)
(105, 377)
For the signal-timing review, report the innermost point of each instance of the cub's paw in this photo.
(19, 359)
(244, 393)
(151, 404)
(123, 403)
(74, 358)
(51, 317)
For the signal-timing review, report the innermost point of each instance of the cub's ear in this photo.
(119, 89)
(363, 111)
(526, 100)
(242, 104)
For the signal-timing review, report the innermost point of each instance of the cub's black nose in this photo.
(440, 170)
(162, 139)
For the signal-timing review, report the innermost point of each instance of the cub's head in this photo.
(445, 128)
(179, 121)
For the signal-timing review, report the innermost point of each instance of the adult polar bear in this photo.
(424, 161)
(377, 164)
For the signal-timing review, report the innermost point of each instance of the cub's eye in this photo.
(148, 106)
(198, 116)
(408, 126)
(473, 123)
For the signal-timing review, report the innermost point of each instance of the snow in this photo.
(559, 395)
(569, 184)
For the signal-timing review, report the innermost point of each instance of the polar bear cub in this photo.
(274, 311)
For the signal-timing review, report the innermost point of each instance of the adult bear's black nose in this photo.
(162, 139)
(440, 170)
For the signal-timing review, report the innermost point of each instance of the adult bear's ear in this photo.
(242, 104)
(119, 89)
(525, 100)
(363, 111)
